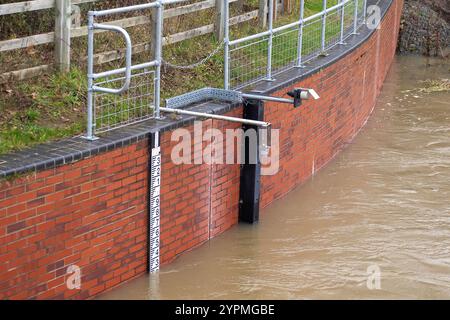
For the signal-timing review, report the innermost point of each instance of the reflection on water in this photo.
(384, 201)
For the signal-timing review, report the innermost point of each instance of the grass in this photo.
(44, 109)
(54, 106)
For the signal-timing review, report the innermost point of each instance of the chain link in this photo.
(196, 64)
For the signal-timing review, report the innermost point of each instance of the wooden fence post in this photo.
(63, 9)
(275, 9)
(262, 14)
(287, 6)
(76, 16)
(240, 5)
(219, 25)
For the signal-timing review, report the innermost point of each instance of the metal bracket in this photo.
(206, 94)
(175, 105)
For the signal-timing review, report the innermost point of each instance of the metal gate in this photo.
(126, 95)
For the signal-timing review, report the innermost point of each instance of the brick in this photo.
(16, 227)
(93, 213)
(35, 203)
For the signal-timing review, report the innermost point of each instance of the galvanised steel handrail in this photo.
(157, 62)
(289, 25)
(226, 41)
(300, 34)
(128, 69)
(270, 42)
(128, 53)
(107, 12)
(158, 5)
(300, 23)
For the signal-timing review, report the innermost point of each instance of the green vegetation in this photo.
(316, 6)
(47, 108)
(251, 57)
(436, 86)
(54, 106)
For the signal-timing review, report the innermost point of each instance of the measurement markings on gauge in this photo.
(155, 188)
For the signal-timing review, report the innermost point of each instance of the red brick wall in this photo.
(93, 213)
(225, 182)
(185, 201)
(198, 201)
(313, 134)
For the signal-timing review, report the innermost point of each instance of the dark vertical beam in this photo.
(251, 169)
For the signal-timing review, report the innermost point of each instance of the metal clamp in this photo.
(234, 96)
(128, 55)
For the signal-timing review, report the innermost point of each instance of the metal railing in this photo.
(130, 94)
(133, 93)
(69, 28)
(263, 55)
(127, 95)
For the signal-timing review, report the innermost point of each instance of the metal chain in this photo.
(196, 64)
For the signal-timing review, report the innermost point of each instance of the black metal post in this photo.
(251, 169)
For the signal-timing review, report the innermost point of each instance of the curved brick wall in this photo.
(90, 209)
(313, 134)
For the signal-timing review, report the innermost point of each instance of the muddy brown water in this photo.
(383, 202)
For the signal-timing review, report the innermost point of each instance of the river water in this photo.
(383, 205)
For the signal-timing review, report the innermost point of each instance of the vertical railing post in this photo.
(324, 24)
(270, 42)
(262, 13)
(355, 18)
(62, 34)
(226, 57)
(342, 22)
(90, 71)
(158, 55)
(153, 34)
(300, 35)
(219, 25)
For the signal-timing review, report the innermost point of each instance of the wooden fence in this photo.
(67, 26)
